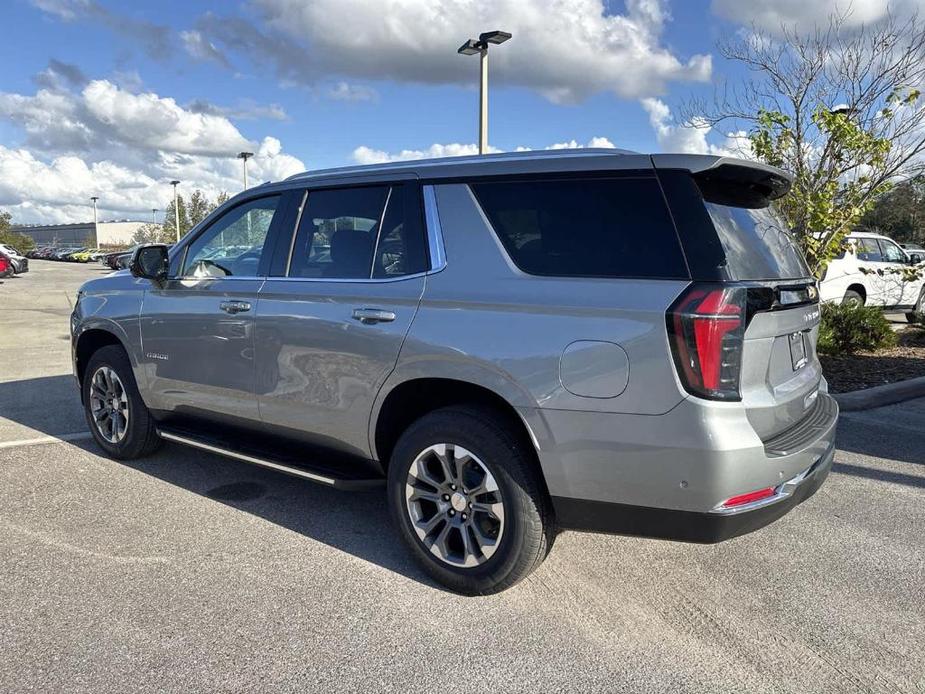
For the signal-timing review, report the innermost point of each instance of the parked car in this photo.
(874, 271)
(19, 261)
(117, 260)
(6, 266)
(914, 248)
(510, 344)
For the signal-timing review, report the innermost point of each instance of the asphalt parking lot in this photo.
(190, 572)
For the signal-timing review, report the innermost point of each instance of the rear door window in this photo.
(591, 227)
(337, 233)
(869, 250)
(360, 233)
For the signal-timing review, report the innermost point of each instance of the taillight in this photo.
(706, 327)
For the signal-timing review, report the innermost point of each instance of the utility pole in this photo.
(176, 208)
(96, 231)
(244, 156)
(471, 47)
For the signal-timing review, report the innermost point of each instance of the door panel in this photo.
(895, 266)
(871, 266)
(197, 355)
(329, 334)
(318, 367)
(197, 329)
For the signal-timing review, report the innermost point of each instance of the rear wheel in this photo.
(117, 416)
(468, 502)
(852, 298)
(918, 314)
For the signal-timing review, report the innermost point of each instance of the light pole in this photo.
(96, 233)
(176, 208)
(471, 47)
(244, 156)
(154, 215)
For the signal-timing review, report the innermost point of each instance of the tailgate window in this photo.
(756, 243)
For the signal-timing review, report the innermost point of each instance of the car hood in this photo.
(121, 280)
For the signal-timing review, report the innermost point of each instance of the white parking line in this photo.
(41, 441)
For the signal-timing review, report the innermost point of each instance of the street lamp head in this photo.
(94, 198)
(175, 183)
(470, 47)
(840, 109)
(494, 37)
(245, 155)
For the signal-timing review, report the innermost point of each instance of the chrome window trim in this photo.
(434, 231)
(295, 231)
(385, 208)
(342, 280)
(214, 279)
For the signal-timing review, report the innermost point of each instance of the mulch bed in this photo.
(868, 369)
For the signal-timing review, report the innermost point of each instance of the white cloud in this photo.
(691, 137)
(367, 155)
(565, 50)
(104, 115)
(771, 15)
(123, 147)
(200, 48)
(153, 122)
(343, 91)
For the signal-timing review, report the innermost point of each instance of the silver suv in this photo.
(510, 344)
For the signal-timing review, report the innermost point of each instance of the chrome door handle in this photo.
(234, 307)
(368, 316)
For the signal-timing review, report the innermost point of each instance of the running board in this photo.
(325, 477)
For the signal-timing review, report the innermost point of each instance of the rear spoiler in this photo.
(730, 181)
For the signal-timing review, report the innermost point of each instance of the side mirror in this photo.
(150, 262)
(915, 258)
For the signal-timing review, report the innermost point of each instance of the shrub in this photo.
(847, 329)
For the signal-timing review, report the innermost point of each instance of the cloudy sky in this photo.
(116, 99)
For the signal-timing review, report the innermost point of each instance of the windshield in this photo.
(757, 244)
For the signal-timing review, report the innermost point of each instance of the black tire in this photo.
(528, 522)
(852, 297)
(918, 313)
(140, 437)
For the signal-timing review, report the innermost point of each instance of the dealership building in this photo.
(118, 232)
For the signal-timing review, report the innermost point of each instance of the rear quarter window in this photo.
(584, 227)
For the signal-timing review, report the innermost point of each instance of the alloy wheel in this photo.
(455, 505)
(109, 404)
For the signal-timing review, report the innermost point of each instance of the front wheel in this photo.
(468, 501)
(118, 419)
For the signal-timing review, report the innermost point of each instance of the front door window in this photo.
(232, 245)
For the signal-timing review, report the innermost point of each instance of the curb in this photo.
(878, 396)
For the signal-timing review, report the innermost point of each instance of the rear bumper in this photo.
(691, 526)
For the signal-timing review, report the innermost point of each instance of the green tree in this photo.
(839, 108)
(170, 230)
(10, 237)
(900, 213)
(199, 207)
(153, 233)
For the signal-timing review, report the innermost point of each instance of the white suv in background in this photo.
(871, 272)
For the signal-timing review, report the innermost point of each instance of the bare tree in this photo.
(839, 107)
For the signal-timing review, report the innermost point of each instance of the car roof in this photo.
(868, 235)
(528, 162)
